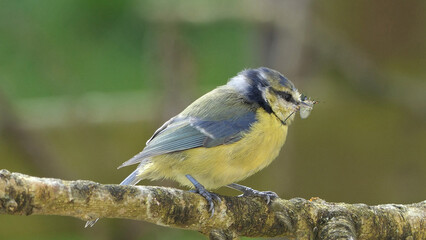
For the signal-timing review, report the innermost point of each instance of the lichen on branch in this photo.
(234, 216)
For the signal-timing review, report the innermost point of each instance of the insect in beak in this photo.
(305, 107)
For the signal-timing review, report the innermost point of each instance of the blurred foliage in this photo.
(84, 84)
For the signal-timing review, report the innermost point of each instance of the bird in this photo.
(224, 136)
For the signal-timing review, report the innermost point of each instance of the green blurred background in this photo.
(83, 85)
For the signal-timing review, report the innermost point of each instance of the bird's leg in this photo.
(268, 195)
(200, 189)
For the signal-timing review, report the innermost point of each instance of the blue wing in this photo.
(220, 117)
(182, 133)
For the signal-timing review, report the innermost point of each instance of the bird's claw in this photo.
(268, 195)
(209, 196)
(91, 223)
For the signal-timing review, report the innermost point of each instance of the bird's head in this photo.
(273, 92)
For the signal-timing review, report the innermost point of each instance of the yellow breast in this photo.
(218, 166)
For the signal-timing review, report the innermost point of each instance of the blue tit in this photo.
(224, 136)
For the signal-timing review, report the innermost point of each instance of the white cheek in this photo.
(278, 104)
(282, 108)
(282, 104)
(296, 95)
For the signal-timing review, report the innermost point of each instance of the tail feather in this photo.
(130, 180)
(138, 158)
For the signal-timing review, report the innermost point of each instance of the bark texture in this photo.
(235, 216)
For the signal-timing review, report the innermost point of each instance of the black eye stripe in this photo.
(286, 96)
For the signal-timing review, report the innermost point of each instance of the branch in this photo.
(234, 216)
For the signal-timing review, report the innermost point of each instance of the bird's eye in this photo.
(286, 96)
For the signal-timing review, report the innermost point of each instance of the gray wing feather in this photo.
(159, 130)
(225, 131)
(182, 133)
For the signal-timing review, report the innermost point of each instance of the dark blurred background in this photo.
(83, 85)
